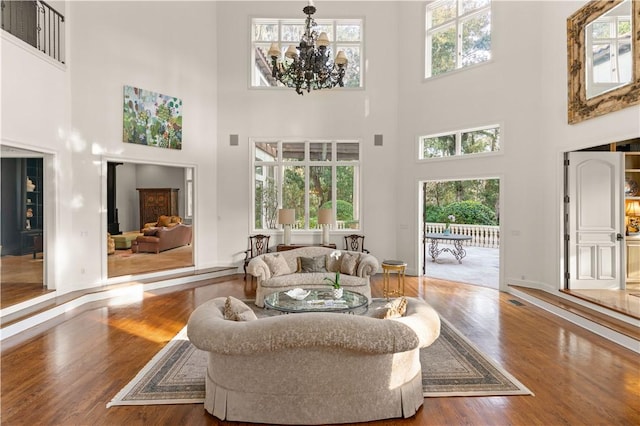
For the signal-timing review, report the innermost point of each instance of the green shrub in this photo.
(432, 213)
(345, 209)
(468, 212)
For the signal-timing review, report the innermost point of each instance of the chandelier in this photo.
(308, 65)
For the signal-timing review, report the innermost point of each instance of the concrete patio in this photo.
(481, 266)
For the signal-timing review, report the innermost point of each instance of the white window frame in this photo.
(458, 140)
(280, 165)
(594, 88)
(334, 45)
(458, 21)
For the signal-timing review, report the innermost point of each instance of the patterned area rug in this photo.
(451, 366)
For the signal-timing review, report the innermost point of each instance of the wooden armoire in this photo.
(155, 202)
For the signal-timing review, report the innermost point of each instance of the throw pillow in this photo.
(333, 264)
(277, 264)
(164, 220)
(394, 309)
(311, 264)
(349, 263)
(236, 310)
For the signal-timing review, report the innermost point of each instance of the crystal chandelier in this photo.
(308, 65)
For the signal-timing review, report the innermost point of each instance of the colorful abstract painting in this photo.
(152, 118)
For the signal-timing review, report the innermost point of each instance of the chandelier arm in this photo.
(312, 68)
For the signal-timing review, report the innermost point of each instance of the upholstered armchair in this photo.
(258, 244)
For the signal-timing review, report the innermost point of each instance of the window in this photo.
(458, 35)
(464, 142)
(345, 34)
(306, 176)
(608, 53)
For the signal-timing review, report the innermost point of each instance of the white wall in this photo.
(199, 51)
(322, 114)
(504, 91)
(35, 115)
(76, 113)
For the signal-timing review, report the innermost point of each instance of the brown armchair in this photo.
(355, 242)
(258, 244)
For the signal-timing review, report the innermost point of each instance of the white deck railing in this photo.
(481, 235)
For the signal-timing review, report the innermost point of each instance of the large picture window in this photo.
(344, 34)
(463, 142)
(306, 176)
(458, 35)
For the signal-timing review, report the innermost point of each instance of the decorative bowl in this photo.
(298, 293)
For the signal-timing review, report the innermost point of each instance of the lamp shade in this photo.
(291, 52)
(286, 216)
(323, 39)
(325, 216)
(341, 58)
(633, 208)
(274, 51)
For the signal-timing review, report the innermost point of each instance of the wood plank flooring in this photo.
(66, 374)
(21, 277)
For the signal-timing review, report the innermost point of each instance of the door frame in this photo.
(104, 219)
(49, 212)
(502, 286)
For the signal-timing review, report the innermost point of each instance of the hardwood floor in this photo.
(66, 374)
(124, 262)
(21, 277)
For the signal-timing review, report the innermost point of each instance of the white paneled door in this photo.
(595, 220)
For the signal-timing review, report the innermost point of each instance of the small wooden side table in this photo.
(389, 266)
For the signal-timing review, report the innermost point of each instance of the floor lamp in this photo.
(287, 217)
(325, 218)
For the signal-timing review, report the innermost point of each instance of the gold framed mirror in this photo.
(603, 47)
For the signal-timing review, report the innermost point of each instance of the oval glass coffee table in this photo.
(318, 300)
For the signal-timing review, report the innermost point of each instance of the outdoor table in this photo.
(458, 251)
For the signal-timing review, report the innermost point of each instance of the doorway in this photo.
(601, 241)
(137, 194)
(23, 225)
(461, 230)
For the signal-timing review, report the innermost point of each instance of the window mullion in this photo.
(458, 44)
(334, 180)
(307, 180)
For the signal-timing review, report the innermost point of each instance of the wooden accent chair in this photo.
(355, 242)
(258, 244)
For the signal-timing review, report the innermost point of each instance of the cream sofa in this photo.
(268, 283)
(313, 368)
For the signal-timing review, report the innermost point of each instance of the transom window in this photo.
(344, 34)
(458, 35)
(306, 175)
(463, 142)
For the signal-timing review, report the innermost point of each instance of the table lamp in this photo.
(325, 218)
(633, 211)
(287, 217)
